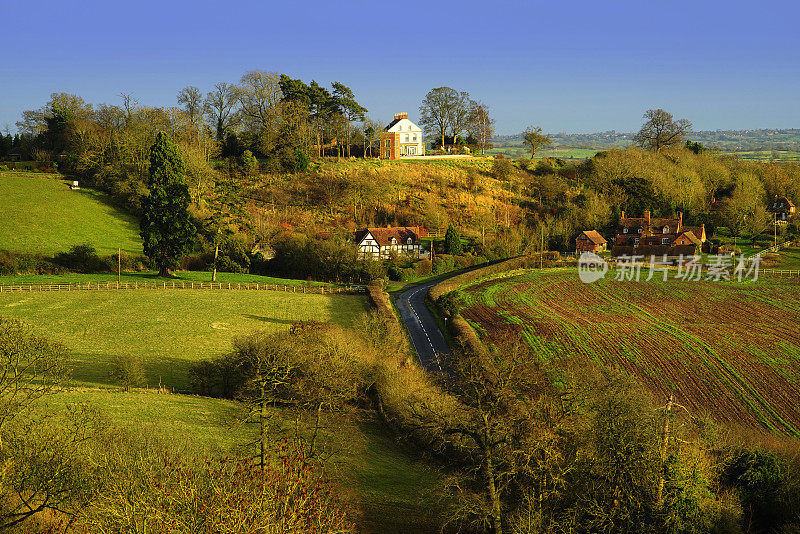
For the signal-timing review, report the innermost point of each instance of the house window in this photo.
(639, 230)
(665, 230)
(664, 240)
(408, 241)
(388, 142)
(388, 153)
(394, 241)
(415, 138)
(406, 138)
(624, 230)
(636, 240)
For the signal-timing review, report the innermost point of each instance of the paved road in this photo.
(422, 328)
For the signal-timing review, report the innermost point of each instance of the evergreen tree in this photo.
(166, 228)
(452, 241)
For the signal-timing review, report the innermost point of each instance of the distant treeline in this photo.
(730, 140)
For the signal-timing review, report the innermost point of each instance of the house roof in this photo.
(654, 250)
(391, 124)
(782, 203)
(690, 235)
(383, 236)
(594, 236)
(655, 224)
(696, 231)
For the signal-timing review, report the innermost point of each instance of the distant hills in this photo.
(726, 140)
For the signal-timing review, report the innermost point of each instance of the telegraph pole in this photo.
(119, 265)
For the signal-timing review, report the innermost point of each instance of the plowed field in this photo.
(728, 349)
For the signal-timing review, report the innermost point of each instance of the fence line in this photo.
(236, 286)
(779, 272)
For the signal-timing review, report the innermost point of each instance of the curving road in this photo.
(425, 335)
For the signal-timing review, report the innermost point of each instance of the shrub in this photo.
(452, 241)
(127, 371)
(424, 267)
(452, 302)
(502, 168)
(82, 259)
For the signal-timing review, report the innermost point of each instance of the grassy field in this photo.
(151, 276)
(787, 258)
(728, 349)
(167, 329)
(41, 214)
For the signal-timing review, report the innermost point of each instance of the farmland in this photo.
(728, 349)
(166, 329)
(41, 214)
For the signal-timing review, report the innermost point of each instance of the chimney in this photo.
(622, 215)
(398, 116)
(647, 217)
(680, 221)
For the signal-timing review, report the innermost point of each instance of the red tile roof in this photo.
(594, 236)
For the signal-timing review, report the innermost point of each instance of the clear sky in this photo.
(567, 66)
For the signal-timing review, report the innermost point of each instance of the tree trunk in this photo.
(216, 254)
(163, 272)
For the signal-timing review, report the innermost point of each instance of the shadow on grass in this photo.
(95, 369)
(270, 319)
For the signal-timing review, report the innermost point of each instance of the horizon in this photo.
(577, 69)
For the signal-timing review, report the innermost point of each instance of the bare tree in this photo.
(481, 125)
(259, 95)
(191, 99)
(220, 107)
(444, 110)
(661, 130)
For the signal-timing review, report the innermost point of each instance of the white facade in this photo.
(402, 138)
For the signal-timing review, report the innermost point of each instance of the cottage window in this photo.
(664, 240)
(665, 230)
(388, 153)
(636, 240)
(415, 138)
(388, 142)
(406, 138)
(639, 230)
(394, 241)
(624, 230)
(408, 241)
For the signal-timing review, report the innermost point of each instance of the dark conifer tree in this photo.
(166, 228)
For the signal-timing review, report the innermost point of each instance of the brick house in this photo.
(379, 243)
(657, 236)
(783, 208)
(401, 138)
(590, 241)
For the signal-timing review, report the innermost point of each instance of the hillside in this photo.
(728, 349)
(40, 213)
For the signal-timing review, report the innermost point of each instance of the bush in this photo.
(127, 371)
(424, 267)
(451, 303)
(82, 259)
(502, 168)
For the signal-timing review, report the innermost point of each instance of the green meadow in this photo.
(42, 214)
(167, 329)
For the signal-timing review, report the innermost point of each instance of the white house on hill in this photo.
(401, 138)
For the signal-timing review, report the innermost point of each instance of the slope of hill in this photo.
(42, 214)
(727, 349)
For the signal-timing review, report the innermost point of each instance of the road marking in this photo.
(422, 327)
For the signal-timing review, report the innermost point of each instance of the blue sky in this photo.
(566, 66)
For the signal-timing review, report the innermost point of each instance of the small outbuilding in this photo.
(590, 241)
